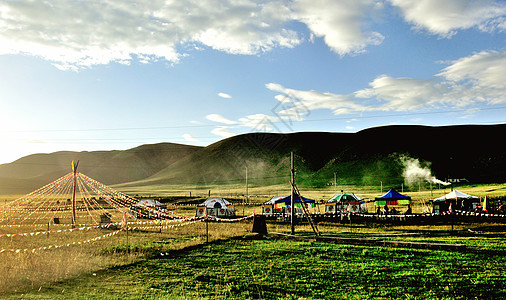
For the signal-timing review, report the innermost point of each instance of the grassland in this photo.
(247, 267)
(237, 266)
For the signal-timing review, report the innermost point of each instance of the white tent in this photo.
(151, 203)
(150, 208)
(455, 200)
(217, 207)
(455, 194)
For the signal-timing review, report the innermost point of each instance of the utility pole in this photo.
(74, 168)
(292, 199)
(245, 199)
(335, 183)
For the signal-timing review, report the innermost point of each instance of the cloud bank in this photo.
(465, 83)
(79, 34)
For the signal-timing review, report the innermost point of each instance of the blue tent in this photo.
(392, 197)
(285, 201)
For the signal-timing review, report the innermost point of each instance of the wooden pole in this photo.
(292, 198)
(207, 231)
(243, 203)
(74, 168)
(335, 183)
(127, 244)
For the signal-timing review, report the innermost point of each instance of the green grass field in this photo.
(234, 265)
(237, 265)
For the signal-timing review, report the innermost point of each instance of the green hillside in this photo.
(367, 157)
(109, 167)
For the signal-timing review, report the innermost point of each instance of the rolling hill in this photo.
(474, 152)
(108, 167)
(366, 157)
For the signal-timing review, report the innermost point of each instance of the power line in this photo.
(280, 121)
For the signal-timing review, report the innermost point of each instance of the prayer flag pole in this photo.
(74, 168)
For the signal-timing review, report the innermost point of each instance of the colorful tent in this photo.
(392, 197)
(279, 202)
(345, 202)
(286, 201)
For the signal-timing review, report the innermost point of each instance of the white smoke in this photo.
(414, 172)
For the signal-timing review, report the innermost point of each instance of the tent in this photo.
(457, 200)
(151, 203)
(282, 204)
(149, 208)
(455, 194)
(345, 202)
(392, 197)
(217, 207)
(268, 207)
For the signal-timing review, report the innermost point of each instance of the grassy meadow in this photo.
(164, 261)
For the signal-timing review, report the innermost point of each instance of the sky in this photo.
(86, 75)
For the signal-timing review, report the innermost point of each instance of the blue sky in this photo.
(103, 75)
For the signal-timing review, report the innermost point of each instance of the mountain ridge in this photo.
(367, 156)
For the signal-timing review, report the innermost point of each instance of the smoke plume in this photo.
(414, 172)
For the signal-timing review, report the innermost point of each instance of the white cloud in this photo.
(222, 131)
(298, 103)
(402, 94)
(190, 137)
(259, 122)
(79, 34)
(484, 69)
(465, 83)
(340, 23)
(220, 119)
(76, 34)
(445, 17)
(224, 95)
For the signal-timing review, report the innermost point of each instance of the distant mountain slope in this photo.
(473, 151)
(108, 167)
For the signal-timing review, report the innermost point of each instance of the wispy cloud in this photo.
(340, 23)
(81, 34)
(224, 95)
(464, 84)
(190, 137)
(222, 131)
(220, 119)
(444, 18)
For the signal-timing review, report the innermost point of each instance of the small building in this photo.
(216, 207)
(345, 203)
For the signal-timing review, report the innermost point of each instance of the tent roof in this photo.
(345, 198)
(215, 203)
(392, 194)
(287, 199)
(274, 199)
(150, 202)
(455, 194)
